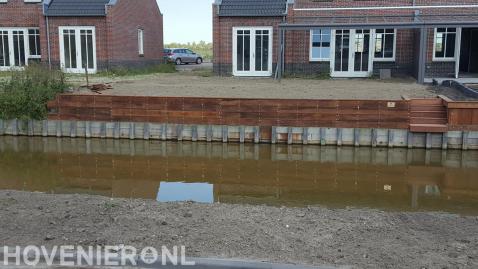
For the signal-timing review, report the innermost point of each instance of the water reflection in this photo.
(180, 191)
(393, 179)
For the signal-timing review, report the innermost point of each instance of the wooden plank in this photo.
(428, 128)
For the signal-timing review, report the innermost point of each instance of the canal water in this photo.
(278, 175)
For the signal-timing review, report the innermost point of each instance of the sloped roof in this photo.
(252, 8)
(76, 8)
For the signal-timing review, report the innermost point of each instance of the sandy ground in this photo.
(363, 238)
(189, 84)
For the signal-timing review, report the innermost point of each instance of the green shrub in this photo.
(124, 71)
(24, 94)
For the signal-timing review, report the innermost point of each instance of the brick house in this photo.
(346, 38)
(80, 34)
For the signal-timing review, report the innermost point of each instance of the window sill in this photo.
(318, 60)
(388, 60)
(443, 60)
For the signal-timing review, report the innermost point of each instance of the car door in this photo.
(190, 56)
(184, 56)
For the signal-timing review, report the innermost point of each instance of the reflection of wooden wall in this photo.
(141, 175)
(227, 111)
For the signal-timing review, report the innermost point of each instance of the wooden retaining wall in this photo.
(233, 112)
(462, 116)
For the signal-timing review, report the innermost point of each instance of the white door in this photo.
(13, 48)
(351, 53)
(252, 51)
(78, 49)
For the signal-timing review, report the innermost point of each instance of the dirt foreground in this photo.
(190, 85)
(362, 238)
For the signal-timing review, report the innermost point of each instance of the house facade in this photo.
(344, 38)
(82, 35)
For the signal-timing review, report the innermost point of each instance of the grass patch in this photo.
(320, 76)
(200, 72)
(24, 94)
(123, 72)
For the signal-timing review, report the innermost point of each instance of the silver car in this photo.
(180, 56)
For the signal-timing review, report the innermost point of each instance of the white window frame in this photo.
(26, 47)
(141, 42)
(445, 59)
(384, 59)
(252, 73)
(77, 29)
(28, 34)
(320, 59)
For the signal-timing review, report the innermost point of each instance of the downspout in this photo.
(48, 40)
(46, 4)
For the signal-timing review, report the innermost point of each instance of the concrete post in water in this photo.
(444, 141)
(164, 131)
(2, 128)
(44, 130)
(30, 128)
(225, 134)
(374, 138)
(289, 136)
(357, 137)
(179, 132)
(391, 137)
(410, 140)
(116, 130)
(257, 134)
(305, 136)
(194, 136)
(274, 135)
(209, 133)
(428, 144)
(146, 131)
(73, 129)
(242, 134)
(132, 130)
(15, 127)
(323, 140)
(59, 127)
(465, 140)
(87, 129)
(103, 132)
(339, 137)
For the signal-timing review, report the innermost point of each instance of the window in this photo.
(34, 43)
(141, 42)
(385, 42)
(445, 44)
(320, 45)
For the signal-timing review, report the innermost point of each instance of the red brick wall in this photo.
(116, 34)
(17, 13)
(124, 20)
(222, 35)
(297, 42)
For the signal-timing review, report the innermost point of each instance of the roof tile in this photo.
(77, 8)
(252, 8)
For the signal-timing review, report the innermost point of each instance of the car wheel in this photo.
(178, 61)
(198, 61)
